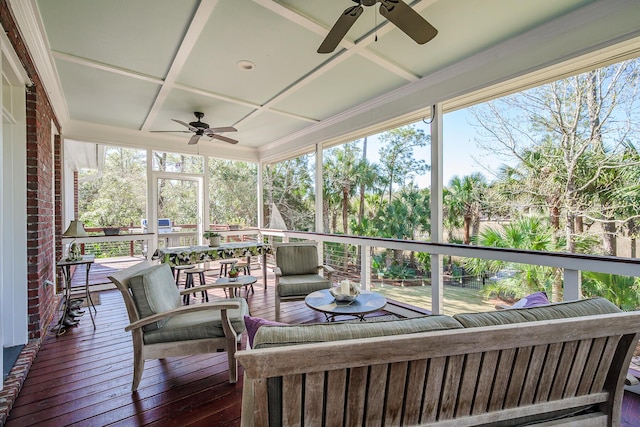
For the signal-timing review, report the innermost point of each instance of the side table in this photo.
(65, 267)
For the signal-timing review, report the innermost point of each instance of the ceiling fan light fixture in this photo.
(245, 65)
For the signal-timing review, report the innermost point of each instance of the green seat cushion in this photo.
(560, 310)
(277, 336)
(302, 285)
(154, 291)
(198, 325)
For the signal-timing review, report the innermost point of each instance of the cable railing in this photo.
(440, 281)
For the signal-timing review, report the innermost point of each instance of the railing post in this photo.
(572, 285)
(437, 285)
(365, 267)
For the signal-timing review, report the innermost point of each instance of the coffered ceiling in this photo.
(116, 70)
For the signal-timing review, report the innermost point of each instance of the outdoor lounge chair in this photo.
(297, 272)
(161, 327)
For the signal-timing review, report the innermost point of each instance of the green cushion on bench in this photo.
(277, 336)
(559, 310)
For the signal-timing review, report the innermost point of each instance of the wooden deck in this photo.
(83, 377)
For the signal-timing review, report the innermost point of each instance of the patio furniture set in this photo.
(562, 363)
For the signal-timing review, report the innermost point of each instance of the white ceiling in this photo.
(118, 69)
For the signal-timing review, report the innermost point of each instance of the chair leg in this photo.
(187, 284)
(138, 368)
(277, 307)
(205, 294)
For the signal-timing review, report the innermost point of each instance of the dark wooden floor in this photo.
(83, 377)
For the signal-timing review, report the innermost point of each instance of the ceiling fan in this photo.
(396, 11)
(200, 128)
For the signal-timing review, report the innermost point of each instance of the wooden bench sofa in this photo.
(562, 364)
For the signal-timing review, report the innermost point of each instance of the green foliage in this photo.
(233, 192)
(400, 272)
(623, 291)
(116, 198)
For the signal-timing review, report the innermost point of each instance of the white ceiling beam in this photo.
(199, 21)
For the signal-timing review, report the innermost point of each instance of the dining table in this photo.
(190, 255)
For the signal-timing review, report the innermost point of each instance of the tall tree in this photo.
(463, 199)
(570, 123)
(398, 164)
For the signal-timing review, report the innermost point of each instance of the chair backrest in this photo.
(297, 258)
(153, 292)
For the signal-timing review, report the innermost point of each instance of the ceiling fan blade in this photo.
(173, 131)
(407, 20)
(223, 138)
(340, 29)
(221, 129)
(191, 128)
(194, 139)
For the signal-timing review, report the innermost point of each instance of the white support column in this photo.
(152, 205)
(319, 192)
(260, 206)
(206, 202)
(572, 285)
(365, 267)
(437, 288)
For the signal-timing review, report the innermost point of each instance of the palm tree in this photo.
(464, 199)
(530, 233)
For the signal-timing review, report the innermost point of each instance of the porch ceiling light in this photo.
(245, 65)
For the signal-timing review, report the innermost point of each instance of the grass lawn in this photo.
(456, 299)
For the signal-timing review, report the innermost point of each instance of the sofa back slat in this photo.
(337, 382)
(530, 384)
(397, 381)
(314, 389)
(591, 367)
(435, 378)
(607, 359)
(451, 383)
(292, 389)
(518, 376)
(415, 381)
(358, 393)
(472, 367)
(489, 362)
(375, 393)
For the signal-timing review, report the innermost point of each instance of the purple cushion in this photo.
(533, 300)
(253, 324)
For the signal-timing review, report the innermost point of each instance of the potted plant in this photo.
(233, 274)
(214, 237)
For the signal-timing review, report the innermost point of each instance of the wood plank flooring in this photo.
(83, 378)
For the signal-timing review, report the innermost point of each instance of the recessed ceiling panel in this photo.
(267, 127)
(181, 105)
(348, 84)
(140, 35)
(464, 30)
(100, 97)
(241, 30)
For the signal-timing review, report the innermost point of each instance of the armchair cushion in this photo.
(301, 285)
(198, 325)
(154, 291)
(295, 260)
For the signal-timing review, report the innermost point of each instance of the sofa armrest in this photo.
(277, 271)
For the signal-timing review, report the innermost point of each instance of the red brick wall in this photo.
(43, 188)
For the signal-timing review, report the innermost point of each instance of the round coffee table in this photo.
(233, 285)
(324, 302)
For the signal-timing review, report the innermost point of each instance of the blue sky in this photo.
(461, 154)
